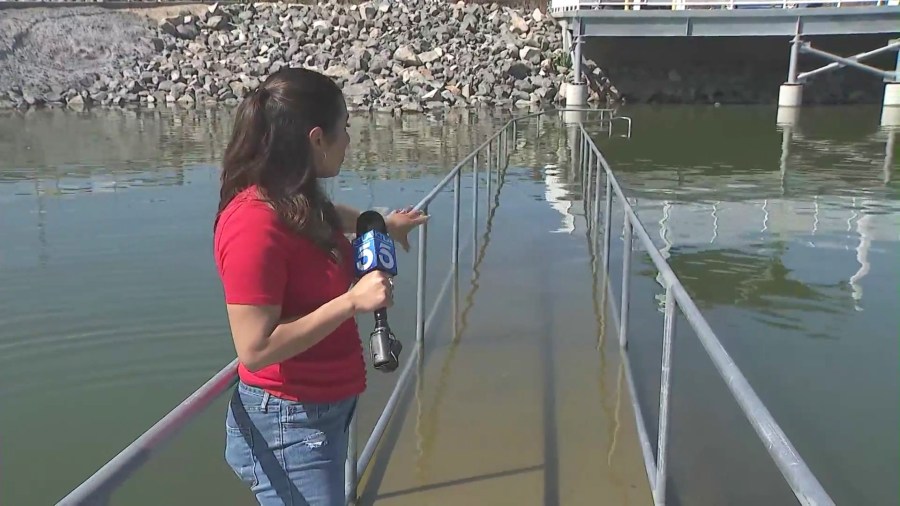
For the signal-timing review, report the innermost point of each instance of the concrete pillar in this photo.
(790, 95)
(787, 116)
(573, 117)
(890, 110)
(576, 95)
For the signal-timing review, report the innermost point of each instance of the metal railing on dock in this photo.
(802, 482)
(493, 154)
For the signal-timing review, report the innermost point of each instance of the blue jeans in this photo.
(288, 453)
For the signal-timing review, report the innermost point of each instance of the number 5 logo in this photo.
(386, 256)
(365, 259)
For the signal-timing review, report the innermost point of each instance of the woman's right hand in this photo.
(373, 291)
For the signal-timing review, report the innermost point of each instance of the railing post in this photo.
(420, 284)
(664, 388)
(488, 176)
(590, 173)
(350, 478)
(474, 208)
(607, 226)
(626, 278)
(457, 189)
(596, 211)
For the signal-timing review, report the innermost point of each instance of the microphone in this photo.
(375, 251)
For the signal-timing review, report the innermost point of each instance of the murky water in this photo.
(110, 310)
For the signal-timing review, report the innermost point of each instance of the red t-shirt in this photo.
(262, 262)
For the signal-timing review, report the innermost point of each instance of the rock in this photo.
(431, 56)
(406, 56)
(517, 23)
(387, 56)
(530, 54)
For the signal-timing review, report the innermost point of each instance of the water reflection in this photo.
(101, 150)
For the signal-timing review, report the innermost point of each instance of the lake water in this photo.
(111, 313)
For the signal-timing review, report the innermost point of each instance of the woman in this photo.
(287, 270)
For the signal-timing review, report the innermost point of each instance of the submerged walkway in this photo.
(524, 404)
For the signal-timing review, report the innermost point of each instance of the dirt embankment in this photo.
(48, 50)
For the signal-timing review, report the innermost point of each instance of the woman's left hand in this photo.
(401, 222)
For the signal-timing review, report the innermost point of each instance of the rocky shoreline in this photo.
(412, 56)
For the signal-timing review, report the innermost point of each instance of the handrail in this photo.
(804, 484)
(98, 488)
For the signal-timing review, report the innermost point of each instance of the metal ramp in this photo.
(552, 426)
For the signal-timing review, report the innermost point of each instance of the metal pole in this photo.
(420, 285)
(489, 176)
(350, 478)
(590, 171)
(122, 466)
(664, 389)
(795, 52)
(806, 48)
(606, 226)
(576, 41)
(596, 214)
(626, 277)
(893, 46)
(474, 209)
(457, 189)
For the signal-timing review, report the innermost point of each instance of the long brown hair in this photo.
(270, 148)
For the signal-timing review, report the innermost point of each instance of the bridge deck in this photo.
(606, 21)
(540, 412)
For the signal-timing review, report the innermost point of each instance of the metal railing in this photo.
(494, 153)
(558, 6)
(804, 484)
(98, 488)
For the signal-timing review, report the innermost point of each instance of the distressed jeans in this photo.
(288, 453)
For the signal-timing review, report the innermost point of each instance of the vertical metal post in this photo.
(350, 478)
(795, 53)
(664, 388)
(606, 226)
(590, 174)
(576, 41)
(489, 176)
(499, 150)
(515, 133)
(504, 145)
(626, 278)
(420, 284)
(457, 190)
(596, 213)
(474, 208)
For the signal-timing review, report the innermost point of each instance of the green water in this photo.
(111, 313)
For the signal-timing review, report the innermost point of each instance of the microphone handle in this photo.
(381, 318)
